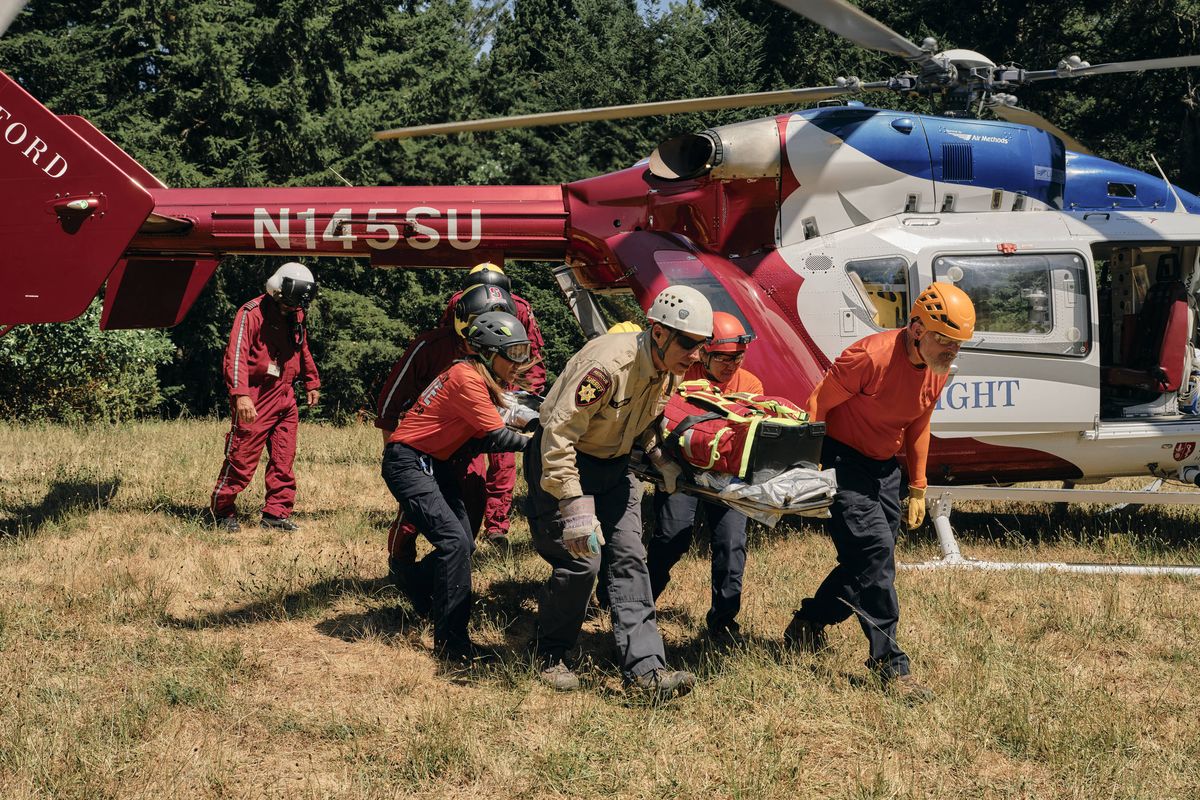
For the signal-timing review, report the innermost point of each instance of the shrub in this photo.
(74, 372)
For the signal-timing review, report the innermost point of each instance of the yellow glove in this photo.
(916, 507)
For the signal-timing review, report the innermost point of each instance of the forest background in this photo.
(241, 93)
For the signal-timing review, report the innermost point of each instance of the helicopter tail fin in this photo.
(70, 203)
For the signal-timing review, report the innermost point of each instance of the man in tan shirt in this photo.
(584, 501)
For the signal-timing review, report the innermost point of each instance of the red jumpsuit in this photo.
(267, 353)
(501, 475)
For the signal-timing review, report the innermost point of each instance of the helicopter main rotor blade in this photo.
(8, 12)
(1024, 116)
(809, 95)
(1069, 71)
(856, 25)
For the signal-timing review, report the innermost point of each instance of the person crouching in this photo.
(457, 410)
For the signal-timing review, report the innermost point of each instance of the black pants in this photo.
(428, 491)
(678, 517)
(618, 497)
(865, 520)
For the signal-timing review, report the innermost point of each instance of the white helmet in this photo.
(683, 309)
(292, 285)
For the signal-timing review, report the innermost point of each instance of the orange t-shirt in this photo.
(742, 380)
(876, 401)
(453, 408)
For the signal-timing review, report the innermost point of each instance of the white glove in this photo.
(581, 530)
(669, 470)
(514, 414)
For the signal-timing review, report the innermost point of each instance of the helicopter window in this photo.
(882, 283)
(1122, 190)
(683, 269)
(1034, 303)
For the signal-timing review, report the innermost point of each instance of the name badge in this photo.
(273, 369)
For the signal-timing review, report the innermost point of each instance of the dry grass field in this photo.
(142, 654)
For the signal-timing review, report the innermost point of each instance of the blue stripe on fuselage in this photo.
(1003, 155)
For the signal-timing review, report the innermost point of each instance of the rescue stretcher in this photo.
(780, 476)
(800, 492)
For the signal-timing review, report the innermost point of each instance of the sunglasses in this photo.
(729, 358)
(945, 341)
(688, 343)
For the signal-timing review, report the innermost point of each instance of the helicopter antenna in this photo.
(338, 175)
(1179, 209)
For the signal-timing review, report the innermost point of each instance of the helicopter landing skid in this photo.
(941, 503)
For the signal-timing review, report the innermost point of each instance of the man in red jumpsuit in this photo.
(430, 354)
(501, 477)
(267, 353)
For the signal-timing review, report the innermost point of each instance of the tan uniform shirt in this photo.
(609, 394)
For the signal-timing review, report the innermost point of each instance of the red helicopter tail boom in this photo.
(67, 211)
(76, 210)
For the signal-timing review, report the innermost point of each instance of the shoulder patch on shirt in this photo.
(592, 387)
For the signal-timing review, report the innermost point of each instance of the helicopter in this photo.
(815, 228)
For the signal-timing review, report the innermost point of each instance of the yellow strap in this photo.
(745, 465)
(713, 453)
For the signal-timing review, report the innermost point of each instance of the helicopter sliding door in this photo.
(1033, 365)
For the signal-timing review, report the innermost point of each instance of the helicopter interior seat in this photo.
(1157, 349)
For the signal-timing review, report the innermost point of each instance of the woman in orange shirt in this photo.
(456, 416)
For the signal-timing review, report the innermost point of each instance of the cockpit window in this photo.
(882, 284)
(683, 269)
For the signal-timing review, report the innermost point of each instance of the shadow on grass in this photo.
(291, 605)
(396, 623)
(64, 498)
(1151, 529)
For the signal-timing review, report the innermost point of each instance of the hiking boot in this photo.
(279, 523)
(908, 689)
(559, 677)
(465, 654)
(227, 524)
(498, 540)
(661, 684)
(729, 636)
(803, 635)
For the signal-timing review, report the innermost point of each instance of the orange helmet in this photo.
(729, 335)
(946, 309)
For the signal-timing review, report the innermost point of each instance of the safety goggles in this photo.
(728, 358)
(688, 343)
(517, 353)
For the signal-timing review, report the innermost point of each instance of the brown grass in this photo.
(144, 655)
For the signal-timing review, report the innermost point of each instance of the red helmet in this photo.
(729, 335)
